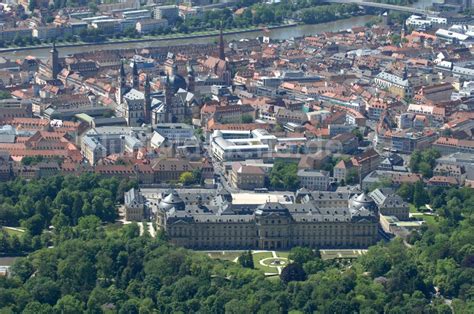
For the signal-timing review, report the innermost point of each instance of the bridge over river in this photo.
(386, 6)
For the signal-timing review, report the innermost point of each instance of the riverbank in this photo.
(152, 39)
(280, 32)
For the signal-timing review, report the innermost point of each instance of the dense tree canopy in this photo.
(424, 161)
(246, 259)
(58, 202)
(284, 176)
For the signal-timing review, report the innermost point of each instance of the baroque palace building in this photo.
(316, 219)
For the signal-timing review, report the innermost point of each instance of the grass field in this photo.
(430, 219)
(256, 262)
(420, 215)
(283, 254)
(224, 255)
(257, 257)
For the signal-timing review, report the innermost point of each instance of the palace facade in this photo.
(214, 222)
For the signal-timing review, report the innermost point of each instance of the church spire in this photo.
(147, 81)
(135, 77)
(168, 99)
(147, 91)
(191, 78)
(120, 91)
(54, 62)
(405, 73)
(122, 70)
(221, 44)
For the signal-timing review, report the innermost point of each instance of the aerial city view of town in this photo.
(237, 156)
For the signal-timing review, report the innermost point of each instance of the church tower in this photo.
(168, 100)
(135, 77)
(121, 85)
(147, 92)
(221, 45)
(54, 62)
(169, 64)
(191, 78)
(405, 73)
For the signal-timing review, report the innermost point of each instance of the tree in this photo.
(302, 255)
(31, 5)
(22, 268)
(424, 161)
(43, 289)
(415, 159)
(420, 196)
(130, 307)
(35, 224)
(131, 230)
(91, 35)
(314, 266)
(146, 306)
(88, 226)
(352, 176)
(199, 133)
(131, 32)
(4, 94)
(36, 307)
(284, 176)
(292, 272)
(358, 134)
(186, 178)
(246, 118)
(395, 39)
(197, 175)
(69, 305)
(425, 169)
(246, 259)
(406, 192)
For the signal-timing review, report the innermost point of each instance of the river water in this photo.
(281, 33)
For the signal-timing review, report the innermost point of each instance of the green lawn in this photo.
(257, 257)
(13, 231)
(224, 255)
(256, 262)
(283, 254)
(430, 219)
(113, 229)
